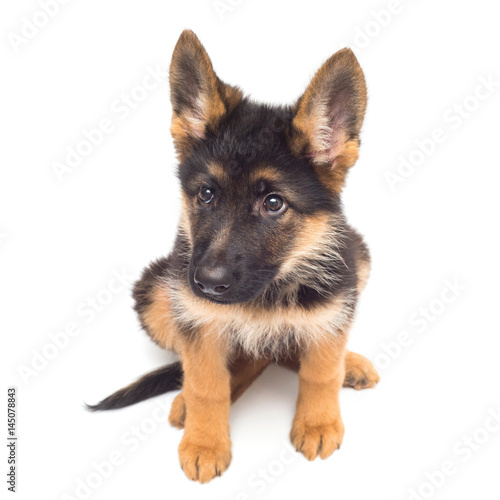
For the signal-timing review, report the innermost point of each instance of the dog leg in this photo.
(359, 371)
(317, 427)
(205, 449)
(244, 371)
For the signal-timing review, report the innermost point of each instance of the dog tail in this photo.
(165, 379)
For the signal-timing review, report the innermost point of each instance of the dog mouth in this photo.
(220, 300)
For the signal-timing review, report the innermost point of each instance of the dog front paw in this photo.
(321, 439)
(202, 461)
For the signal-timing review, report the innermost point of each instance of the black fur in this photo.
(253, 135)
(246, 139)
(165, 379)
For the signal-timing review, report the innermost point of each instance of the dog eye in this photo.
(206, 195)
(274, 203)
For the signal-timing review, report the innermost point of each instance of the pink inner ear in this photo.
(332, 128)
(200, 134)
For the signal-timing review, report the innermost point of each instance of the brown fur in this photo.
(316, 130)
(213, 380)
(205, 449)
(267, 173)
(243, 370)
(359, 374)
(215, 100)
(317, 428)
(326, 127)
(158, 320)
(300, 316)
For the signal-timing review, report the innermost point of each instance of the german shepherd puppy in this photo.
(265, 267)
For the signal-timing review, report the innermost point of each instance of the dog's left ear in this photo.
(329, 115)
(199, 98)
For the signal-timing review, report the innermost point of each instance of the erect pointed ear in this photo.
(199, 98)
(328, 117)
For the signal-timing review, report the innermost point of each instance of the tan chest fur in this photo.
(256, 329)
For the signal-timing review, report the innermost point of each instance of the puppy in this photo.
(265, 268)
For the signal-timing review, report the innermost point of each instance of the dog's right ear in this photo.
(199, 99)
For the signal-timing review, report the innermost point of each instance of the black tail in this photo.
(167, 378)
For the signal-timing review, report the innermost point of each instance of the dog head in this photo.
(261, 184)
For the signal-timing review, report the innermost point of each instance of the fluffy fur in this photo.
(265, 267)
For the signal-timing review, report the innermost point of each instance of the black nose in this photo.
(213, 280)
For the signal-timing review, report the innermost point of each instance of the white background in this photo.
(61, 241)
